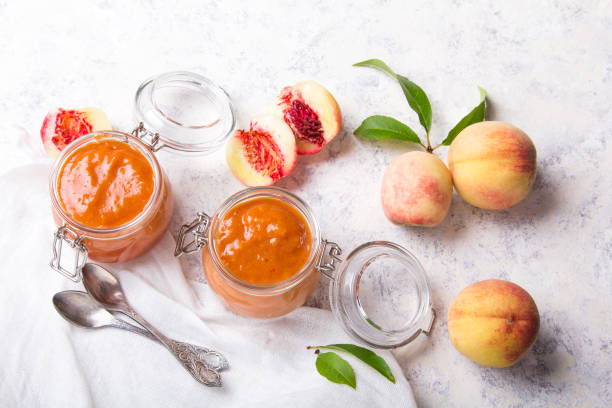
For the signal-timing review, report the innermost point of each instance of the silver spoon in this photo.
(106, 289)
(81, 309)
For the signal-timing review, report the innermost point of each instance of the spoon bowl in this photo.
(104, 287)
(79, 308)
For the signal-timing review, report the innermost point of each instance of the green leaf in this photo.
(376, 63)
(384, 127)
(476, 115)
(416, 97)
(418, 101)
(336, 369)
(365, 355)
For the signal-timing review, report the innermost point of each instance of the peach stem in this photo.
(428, 148)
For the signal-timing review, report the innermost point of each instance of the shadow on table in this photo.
(539, 204)
(546, 361)
(544, 370)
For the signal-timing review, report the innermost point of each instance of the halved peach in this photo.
(61, 127)
(263, 154)
(312, 113)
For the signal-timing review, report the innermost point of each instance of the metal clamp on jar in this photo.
(177, 111)
(379, 292)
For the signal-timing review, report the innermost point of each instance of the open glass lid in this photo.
(183, 111)
(380, 295)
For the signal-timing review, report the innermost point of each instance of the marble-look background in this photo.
(547, 66)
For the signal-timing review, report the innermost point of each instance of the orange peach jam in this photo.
(263, 241)
(105, 184)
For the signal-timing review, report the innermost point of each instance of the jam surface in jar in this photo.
(263, 241)
(105, 184)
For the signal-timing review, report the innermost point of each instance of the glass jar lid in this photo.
(187, 111)
(380, 295)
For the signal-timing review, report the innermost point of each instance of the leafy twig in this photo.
(385, 127)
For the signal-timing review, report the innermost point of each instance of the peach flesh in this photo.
(417, 189)
(493, 164)
(493, 322)
(312, 113)
(304, 121)
(61, 127)
(263, 154)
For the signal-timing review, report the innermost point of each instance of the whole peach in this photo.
(493, 164)
(416, 189)
(493, 322)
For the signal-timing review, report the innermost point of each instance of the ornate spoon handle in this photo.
(193, 359)
(214, 359)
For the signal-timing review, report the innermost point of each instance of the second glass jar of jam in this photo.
(263, 248)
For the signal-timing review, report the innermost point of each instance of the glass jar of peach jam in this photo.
(113, 232)
(245, 295)
(378, 293)
(110, 198)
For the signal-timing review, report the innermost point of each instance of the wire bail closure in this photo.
(147, 137)
(330, 256)
(64, 234)
(199, 228)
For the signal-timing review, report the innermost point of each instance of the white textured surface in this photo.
(546, 65)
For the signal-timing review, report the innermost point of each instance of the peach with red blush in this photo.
(493, 164)
(417, 189)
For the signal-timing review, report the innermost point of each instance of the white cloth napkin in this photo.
(48, 362)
